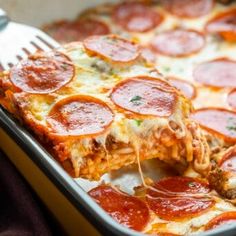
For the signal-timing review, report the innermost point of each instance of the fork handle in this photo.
(4, 19)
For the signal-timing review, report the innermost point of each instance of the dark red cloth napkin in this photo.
(20, 214)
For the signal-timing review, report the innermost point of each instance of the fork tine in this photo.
(39, 45)
(19, 57)
(10, 64)
(1, 67)
(44, 41)
(36, 45)
(27, 52)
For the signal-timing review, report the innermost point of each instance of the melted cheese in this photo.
(181, 68)
(137, 136)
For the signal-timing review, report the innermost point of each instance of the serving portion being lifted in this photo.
(98, 107)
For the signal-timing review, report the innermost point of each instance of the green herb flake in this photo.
(112, 72)
(138, 122)
(166, 68)
(64, 66)
(231, 128)
(135, 99)
(191, 184)
(231, 124)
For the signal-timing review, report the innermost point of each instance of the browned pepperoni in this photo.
(178, 42)
(68, 31)
(224, 24)
(136, 17)
(113, 48)
(178, 197)
(218, 121)
(188, 8)
(79, 115)
(42, 73)
(231, 99)
(127, 210)
(222, 219)
(218, 73)
(228, 161)
(145, 95)
(185, 87)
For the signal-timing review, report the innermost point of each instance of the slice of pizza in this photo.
(98, 106)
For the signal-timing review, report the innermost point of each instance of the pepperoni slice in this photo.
(228, 161)
(224, 24)
(224, 218)
(218, 121)
(113, 48)
(231, 99)
(218, 73)
(145, 95)
(42, 73)
(127, 210)
(178, 197)
(79, 115)
(68, 31)
(136, 17)
(185, 87)
(178, 42)
(188, 8)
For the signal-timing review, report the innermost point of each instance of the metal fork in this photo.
(18, 41)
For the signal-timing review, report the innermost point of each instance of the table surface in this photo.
(22, 213)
